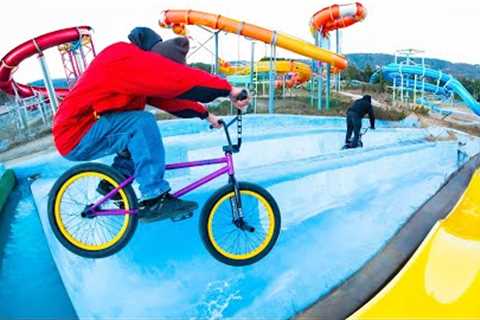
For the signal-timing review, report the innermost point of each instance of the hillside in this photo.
(459, 70)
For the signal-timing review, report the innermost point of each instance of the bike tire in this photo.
(129, 201)
(225, 193)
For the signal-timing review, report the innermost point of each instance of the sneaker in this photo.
(166, 206)
(104, 187)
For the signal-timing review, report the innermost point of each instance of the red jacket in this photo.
(123, 77)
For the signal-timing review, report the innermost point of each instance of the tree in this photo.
(201, 65)
(367, 73)
(380, 83)
(4, 98)
(472, 86)
(352, 73)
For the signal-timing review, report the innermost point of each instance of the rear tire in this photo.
(57, 200)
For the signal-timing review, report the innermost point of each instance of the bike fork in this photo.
(236, 202)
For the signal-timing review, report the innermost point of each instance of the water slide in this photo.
(35, 46)
(300, 70)
(429, 269)
(409, 85)
(433, 106)
(337, 17)
(448, 82)
(178, 19)
(442, 279)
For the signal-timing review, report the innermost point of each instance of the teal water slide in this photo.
(444, 80)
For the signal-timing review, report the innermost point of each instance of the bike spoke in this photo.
(90, 231)
(230, 237)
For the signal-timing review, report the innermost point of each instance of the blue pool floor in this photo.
(29, 279)
(338, 210)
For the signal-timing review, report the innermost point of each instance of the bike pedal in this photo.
(182, 217)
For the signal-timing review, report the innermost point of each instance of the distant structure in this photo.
(322, 24)
(34, 103)
(415, 83)
(403, 89)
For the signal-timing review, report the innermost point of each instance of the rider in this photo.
(355, 114)
(104, 112)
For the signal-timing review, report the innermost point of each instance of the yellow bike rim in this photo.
(269, 232)
(67, 234)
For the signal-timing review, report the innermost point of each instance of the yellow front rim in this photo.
(268, 235)
(60, 222)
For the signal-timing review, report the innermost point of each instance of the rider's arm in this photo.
(150, 74)
(180, 107)
(371, 115)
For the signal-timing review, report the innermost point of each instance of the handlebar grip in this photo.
(243, 95)
(220, 122)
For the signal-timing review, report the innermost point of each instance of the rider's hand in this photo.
(213, 119)
(239, 104)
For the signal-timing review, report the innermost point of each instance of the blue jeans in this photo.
(137, 132)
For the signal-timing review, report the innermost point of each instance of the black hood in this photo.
(367, 98)
(144, 38)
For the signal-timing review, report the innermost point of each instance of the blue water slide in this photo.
(409, 84)
(434, 107)
(448, 81)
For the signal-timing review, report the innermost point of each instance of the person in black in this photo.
(355, 114)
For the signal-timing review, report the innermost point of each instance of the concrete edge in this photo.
(7, 183)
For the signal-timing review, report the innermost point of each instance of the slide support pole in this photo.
(318, 41)
(252, 71)
(271, 89)
(216, 53)
(328, 87)
(48, 83)
(337, 76)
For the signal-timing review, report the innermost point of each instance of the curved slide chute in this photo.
(410, 84)
(447, 81)
(178, 19)
(337, 17)
(433, 106)
(281, 66)
(442, 279)
(37, 45)
(300, 71)
(429, 269)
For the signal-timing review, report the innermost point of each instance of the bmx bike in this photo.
(239, 223)
(348, 145)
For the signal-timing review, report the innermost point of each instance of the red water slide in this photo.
(337, 17)
(37, 45)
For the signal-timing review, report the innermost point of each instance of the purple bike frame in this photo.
(227, 169)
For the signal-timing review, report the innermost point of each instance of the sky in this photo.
(443, 29)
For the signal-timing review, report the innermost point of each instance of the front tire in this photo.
(218, 230)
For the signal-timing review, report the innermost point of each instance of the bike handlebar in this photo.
(243, 95)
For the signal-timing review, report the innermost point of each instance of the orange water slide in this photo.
(179, 19)
(337, 17)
